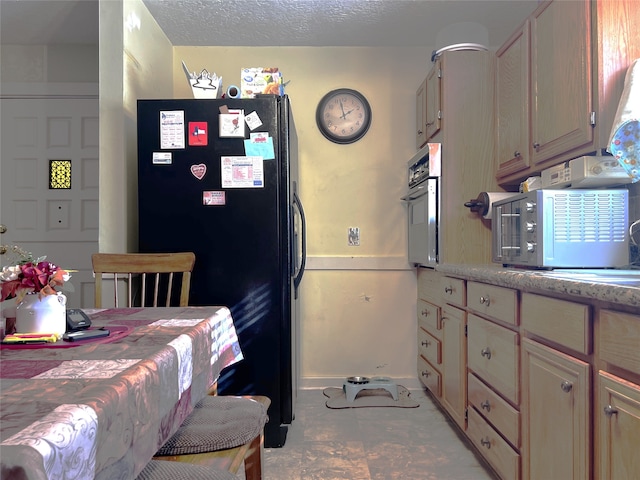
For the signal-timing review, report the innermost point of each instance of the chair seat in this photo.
(160, 470)
(217, 423)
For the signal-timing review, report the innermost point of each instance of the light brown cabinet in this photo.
(429, 362)
(458, 97)
(454, 363)
(556, 408)
(421, 115)
(433, 114)
(617, 414)
(564, 68)
(512, 104)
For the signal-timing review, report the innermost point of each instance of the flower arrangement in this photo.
(27, 274)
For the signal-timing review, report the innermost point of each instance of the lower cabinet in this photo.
(556, 410)
(619, 421)
(454, 363)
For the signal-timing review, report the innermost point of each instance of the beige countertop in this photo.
(586, 286)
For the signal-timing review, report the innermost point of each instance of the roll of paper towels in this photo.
(624, 142)
(484, 203)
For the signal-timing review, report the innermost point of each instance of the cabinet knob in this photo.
(425, 313)
(536, 145)
(419, 132)
(517, 153)
(566, 386)
(485, 442)
(486, 352)
(448, 290)
(485, 300)
(486, 405)
(609, 411)
(425, 343)
(425, 373)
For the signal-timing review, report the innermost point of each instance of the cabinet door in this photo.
(512, 104)
(421, 115)
(619, 419)
(556, 409)
(454, 362)
(434, 106)
(561, 84)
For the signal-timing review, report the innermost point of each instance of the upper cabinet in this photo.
(428, 106)
(512, 103)
(434, 96)
(559, 80)
(421, 115)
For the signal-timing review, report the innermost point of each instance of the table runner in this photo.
(102, 410)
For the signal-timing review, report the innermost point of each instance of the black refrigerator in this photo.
(219, 178)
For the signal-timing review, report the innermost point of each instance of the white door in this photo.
(59, 221)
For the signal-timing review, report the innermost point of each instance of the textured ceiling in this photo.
(269, 22)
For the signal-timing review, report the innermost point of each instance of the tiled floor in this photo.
(372, 444)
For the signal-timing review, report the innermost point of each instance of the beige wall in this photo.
(357, 303)
(134, 59)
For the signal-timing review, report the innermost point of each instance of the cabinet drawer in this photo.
(562, 322)
(499, 413)
(429, 285)
(452, 290)
(429, 376)
(497, 302)
(619, 339)
(493, 355)
(429, 347)
(493, 447)
(429, 317)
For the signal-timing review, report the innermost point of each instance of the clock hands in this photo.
(344, 115)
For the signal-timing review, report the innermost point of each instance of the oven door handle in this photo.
(420, 191)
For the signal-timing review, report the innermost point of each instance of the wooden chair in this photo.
(158, 268)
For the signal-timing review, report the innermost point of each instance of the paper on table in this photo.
(624, 141)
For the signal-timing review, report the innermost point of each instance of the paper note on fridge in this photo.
(242, 172)
(172, 129)
(260, 146)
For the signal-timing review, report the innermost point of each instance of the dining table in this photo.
(100, 408)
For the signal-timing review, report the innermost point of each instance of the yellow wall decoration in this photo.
(60, 174)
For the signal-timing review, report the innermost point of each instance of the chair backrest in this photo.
(137, 268)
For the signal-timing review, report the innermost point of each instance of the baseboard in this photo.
(316, 383)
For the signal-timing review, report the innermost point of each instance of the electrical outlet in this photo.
(353, 236)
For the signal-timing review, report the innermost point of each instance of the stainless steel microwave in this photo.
(562, 229)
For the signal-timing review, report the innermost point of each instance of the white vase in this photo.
(42, 315)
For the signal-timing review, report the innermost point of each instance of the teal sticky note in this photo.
(263, 147)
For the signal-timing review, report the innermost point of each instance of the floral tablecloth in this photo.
(101, 410)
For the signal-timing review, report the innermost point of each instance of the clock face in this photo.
(343, 115)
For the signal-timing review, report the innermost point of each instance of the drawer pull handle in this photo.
(486, 352)
(566, 386)
(425, 313)
(426, 343)
(609, 411)
(448, 290)
(425, 373)
(485, 442)
(486, 405)
(485, 300)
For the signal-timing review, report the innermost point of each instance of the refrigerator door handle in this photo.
(298, 277)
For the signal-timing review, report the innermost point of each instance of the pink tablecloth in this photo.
(102, 410)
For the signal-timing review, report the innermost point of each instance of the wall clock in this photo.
(343, 115)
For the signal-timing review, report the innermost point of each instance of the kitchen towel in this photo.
(624, 142)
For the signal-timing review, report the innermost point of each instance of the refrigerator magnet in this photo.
(198, 134)
(231, 125)
(162, 158)
(199, 170)
(214, 198)
(253, 120)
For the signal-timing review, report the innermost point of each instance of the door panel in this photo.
(61, 223)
